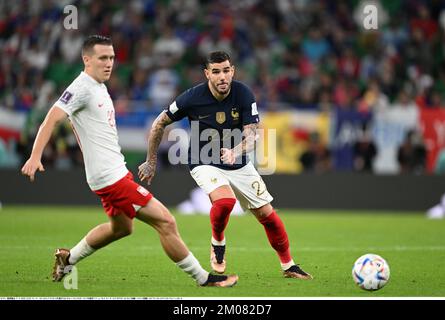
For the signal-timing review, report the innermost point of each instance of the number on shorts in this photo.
(257, 186)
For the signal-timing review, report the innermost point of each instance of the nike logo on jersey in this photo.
(100, 105)
(203, 117)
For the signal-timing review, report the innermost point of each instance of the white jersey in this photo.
(91, 112)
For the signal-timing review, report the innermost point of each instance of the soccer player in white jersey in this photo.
(88, 106)
(223, 170)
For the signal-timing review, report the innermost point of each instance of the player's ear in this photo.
(86, 59)
(207, 73)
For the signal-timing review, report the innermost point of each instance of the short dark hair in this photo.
(92, 40)
(217, 57)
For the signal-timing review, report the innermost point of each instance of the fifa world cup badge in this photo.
(220, 117)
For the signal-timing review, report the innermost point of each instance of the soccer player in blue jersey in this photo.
(224, 118)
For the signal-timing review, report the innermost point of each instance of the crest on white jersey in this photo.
(142, 191)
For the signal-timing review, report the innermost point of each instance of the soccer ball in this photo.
(370, 272)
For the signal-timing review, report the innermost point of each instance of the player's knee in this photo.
(169, 224)
(262, 212)
(225, 204)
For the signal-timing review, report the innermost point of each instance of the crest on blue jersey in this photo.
(220, 117)
(235, 114)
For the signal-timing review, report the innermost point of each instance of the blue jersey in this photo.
(215, 124)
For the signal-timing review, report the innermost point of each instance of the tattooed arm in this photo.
(148, 168)
(247, 144)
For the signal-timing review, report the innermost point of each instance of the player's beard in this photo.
(222, 91)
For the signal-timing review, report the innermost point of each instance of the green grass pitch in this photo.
(325, 243)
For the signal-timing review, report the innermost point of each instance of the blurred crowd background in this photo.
(341, 98)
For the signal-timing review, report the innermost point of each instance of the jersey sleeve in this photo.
(177, 110)
(249, 107)
(74, 98)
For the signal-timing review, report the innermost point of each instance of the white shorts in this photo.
(246, 183)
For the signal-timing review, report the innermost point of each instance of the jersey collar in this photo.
(89, 78)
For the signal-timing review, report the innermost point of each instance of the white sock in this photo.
(218, 243)
(80, 251)
(192, 266)
(287, 265)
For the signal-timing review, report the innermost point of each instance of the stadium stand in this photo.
(311, 60)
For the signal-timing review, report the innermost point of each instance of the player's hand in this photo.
(147, 172)
(227, 156)
(30, 167)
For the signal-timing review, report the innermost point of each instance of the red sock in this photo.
(219, 216)
(276, 233)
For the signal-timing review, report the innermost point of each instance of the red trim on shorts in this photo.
(122, 197)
